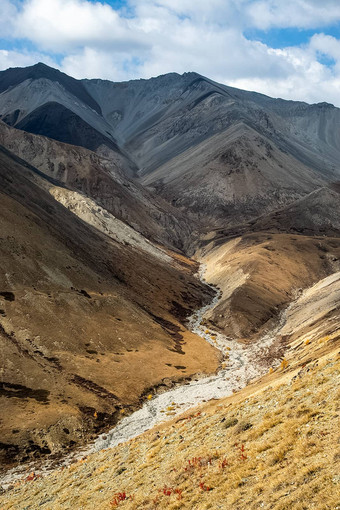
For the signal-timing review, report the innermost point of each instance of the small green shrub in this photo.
(230, 423)
(243, 426)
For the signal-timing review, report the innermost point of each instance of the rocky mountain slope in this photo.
(232, 177)
(83, 306)
(102, 179)
(106, 189)
(184, 134)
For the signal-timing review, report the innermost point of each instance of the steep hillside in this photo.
(184, 134)
(105, 190)
(317, 213)
(82, 310)
(57, 122)
(271, 446)
(15, 76)
(233, 177)
(103, 180)
(260, 274)
(47, 102)
(159, 118)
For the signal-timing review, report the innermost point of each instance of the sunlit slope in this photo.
(260, 274)
(271, 446)
(80, 324)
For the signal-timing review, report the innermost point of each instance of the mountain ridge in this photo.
(77, 312)
(106, 189)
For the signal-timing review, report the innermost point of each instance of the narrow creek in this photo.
(240, 364)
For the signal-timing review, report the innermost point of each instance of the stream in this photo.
(240, 365)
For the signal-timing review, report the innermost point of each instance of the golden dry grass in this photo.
(272, 446)
(259, 273)
(92, 324)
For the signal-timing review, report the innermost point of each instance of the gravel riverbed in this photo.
(240, 364)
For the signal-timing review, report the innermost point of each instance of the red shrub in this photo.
(179, 493)
(204, 487)
(198, 462)
(117, 498)
(32, 477)
(223, 464)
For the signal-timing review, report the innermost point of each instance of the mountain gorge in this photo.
(112, 195)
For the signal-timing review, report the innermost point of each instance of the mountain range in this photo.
(111, 195)
(182, 135)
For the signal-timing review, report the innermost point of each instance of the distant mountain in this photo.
(234, 176)
(45, 101)
(105, 189)
(15, 76)
(222, 154)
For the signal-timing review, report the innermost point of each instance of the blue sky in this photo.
(283, 37)
(289, 49)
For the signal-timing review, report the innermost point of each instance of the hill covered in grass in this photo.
(273, 445)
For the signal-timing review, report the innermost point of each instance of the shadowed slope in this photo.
(57, 122)
(103, 180)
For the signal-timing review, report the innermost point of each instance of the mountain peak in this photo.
(16, 75)
(42, 64)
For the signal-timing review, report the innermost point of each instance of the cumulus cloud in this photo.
(308, 79)
(153, 37)
(8, 15)
(62, 25)
(92, 63)
(21, 59)
(293, 13)
(326, 45)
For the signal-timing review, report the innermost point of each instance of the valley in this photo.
(165, 244)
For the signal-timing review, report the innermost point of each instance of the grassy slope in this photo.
(80, 324)
(260, 274)
(272, 445)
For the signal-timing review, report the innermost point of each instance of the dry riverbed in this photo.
(240, 364)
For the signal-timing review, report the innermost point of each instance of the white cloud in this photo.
(308, 80)
(22, 59)
(62, 25)
(7, 17)
(326, 45)
(160, 36)
(266, 14)
(91, 63)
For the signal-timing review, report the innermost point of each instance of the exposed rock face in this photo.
(14, 77)
(223, 154)
(233, 177)
(103, 180)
